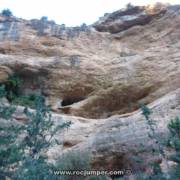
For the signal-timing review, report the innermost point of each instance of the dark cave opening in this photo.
(71, 100)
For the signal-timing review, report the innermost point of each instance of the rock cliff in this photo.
(96, 73)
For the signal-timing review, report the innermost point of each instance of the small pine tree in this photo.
(6, 12)
(129, 6)
(44, 18)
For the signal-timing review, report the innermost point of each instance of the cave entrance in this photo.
(71, 100)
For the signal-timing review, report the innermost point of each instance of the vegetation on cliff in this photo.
(23, 146)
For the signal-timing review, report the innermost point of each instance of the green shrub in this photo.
(174, 142)
(76, 161)
(40, 131)
(12, 87)
(157, 146)
(28, 101)
(9, 152)
(6, 12)
(14, 95)
(24, 159)
(73, 161)
(174, 127)
(44, 18)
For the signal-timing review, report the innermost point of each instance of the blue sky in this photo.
(69, 12)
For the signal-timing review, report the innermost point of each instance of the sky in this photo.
(70, 12)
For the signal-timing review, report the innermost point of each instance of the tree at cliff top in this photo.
(6, 12)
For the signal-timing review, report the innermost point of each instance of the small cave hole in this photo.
(71, 100)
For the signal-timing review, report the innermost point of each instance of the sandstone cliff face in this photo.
(95, 73)
(101, 73)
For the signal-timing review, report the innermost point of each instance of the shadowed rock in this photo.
(125, 19)
(9, 30)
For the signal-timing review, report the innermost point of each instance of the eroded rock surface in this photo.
(91, 78)
(96, 74)
(113, 142)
